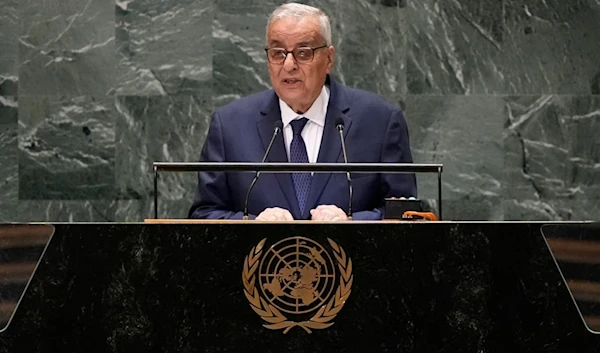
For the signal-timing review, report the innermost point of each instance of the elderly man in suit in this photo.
(307, 101)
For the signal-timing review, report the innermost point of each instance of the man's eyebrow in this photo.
(275, 42)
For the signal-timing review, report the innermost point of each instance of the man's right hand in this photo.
(275, 214)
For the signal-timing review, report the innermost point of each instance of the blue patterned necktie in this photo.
(298, 154)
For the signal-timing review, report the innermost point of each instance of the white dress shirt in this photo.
(313, 130)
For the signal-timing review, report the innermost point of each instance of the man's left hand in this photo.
(328, 213)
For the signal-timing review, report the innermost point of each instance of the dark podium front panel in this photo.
(297, 287)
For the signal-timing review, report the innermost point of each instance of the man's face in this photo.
(299, 84)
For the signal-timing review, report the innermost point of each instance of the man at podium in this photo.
(302, 115)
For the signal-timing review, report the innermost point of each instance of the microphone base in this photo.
(245, 218)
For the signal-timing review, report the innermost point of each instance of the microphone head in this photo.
(278, 125)
(339, 123)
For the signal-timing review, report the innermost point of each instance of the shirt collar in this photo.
(316, 113)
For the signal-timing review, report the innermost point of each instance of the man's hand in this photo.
(328, 213)
(275, 214)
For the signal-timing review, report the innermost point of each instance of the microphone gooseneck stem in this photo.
(350, 195)
(248, 195)
(255, 179)
(348, 179)
(275, 133)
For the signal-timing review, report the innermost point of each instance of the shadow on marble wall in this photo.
(503, 93)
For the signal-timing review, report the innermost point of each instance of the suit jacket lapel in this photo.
(265, 124)
(331, 147)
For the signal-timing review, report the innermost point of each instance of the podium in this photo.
(244, 286)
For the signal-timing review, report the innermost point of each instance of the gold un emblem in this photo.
(295, 283)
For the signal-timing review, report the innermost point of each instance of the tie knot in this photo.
(298, 125)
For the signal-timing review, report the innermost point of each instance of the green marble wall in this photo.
(506, 94)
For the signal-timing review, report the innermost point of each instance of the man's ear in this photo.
(330, 58)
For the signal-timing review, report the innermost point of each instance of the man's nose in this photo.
(289, 63)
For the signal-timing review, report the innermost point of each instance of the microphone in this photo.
(276, 130)
(339, 124)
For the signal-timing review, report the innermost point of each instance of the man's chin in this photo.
(291, 97)
(294, 91)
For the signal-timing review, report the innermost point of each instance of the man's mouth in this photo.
(291, 81)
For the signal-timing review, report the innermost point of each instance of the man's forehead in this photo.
(287, 31)
(283, 37)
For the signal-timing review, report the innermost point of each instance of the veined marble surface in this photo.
(66, 148)
(503, 93)
(552, 158)
(164, 47)
(66, 47)
(552, 46)
(8, 151)
(158, 129)
(504, 47)
(465, 134)
(9, 25)
(58, 211)
(455, 47)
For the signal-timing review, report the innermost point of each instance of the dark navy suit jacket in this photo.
(375, 131)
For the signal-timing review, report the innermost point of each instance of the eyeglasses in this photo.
(302, 55)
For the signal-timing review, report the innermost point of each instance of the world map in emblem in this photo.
(297, 275)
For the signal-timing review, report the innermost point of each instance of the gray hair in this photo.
(300, 11)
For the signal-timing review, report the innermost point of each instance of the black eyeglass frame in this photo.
(292, 52)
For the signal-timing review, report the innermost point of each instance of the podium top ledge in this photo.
(239, 221)
(398, 221)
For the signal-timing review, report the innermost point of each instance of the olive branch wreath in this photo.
(276, 320)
